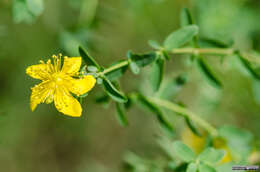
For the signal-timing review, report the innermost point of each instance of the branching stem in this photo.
(213, 51)
(207, 51)
(186, 113)
(175, 107)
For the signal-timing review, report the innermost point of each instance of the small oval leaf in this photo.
(209, 75)
(192, 127)
(211, 156)
(209, 42)
(247, 65)
(180, 37)
(121, 117)
(183, 151)
(142, 59)
(87, 58)
(113, 92)
(186, 18)
(157, 74)
(192, 167)
(134, 68)
(206, 168)
(154, 44)
(36, 7)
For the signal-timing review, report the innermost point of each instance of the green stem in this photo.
(213, 51)
(114, 67)
(216, 51)
(208, 51)
(186, 113)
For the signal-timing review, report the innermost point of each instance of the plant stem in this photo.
(213, 51)
(208, 51)
(186, 113)
(114, 67)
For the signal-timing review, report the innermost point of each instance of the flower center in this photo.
(57, 78)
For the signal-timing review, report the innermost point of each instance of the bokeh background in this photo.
(46, 140)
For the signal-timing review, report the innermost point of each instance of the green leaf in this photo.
(206, 168)
(142, 59)
(209, 42)
(103, 99)
(153, 108)
(99, 80)
(121, 117)
(92, 69)
(117, 73)
(209, 75)
(192, 127)
(180, 37)
(238, 140)
(183, 151)
(186, 18)
(134, 68)
(173, 86)
(90, 61)
(113, 92)
(21, 13)
(157, 74)
(226, 167)
(181, 167)
(211, 155)
(192, 167)
(35, 6)
(247, 65)
(154, 44)
(172, 165)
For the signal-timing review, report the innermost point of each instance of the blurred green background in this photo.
(46, 140)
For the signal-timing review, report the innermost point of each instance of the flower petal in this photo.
(40, 71)
(71, 65)
(81, 86)
(40, 93)
(66, 103)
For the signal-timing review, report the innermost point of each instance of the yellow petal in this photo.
(71, 65)
(40, 71)
(66, 103)
(40, 93)
(81, 86)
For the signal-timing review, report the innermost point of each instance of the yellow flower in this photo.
(58, 83)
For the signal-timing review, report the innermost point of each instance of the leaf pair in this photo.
(207, 159)
(175, 40)
(238, 140)
(136, 61)
(110, 89)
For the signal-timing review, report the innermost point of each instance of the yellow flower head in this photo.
(58, 83)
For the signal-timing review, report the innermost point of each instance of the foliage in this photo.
(205, 64)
